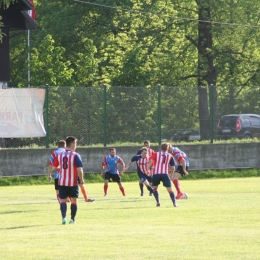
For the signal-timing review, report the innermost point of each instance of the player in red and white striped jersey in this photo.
(150, 152)
(142, 161)
(70, 168)
(163, 163)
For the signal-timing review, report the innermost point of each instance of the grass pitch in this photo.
(220, 220)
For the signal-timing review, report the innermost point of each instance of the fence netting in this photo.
(110, 115)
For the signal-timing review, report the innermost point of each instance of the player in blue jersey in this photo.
(109, 165)
(142, 161)
(150, 152)
(181, 170)
(61, 148)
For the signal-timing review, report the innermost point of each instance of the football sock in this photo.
(83, 191)
(150, 189)
(141, 186)
(73, 208)
(177, 185)
(156, 195)
(122, 190)
(172, 196)
(63, 209)
(105, 189)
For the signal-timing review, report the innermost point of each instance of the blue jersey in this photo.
(52, 158)
(111, 164)
(179, 155)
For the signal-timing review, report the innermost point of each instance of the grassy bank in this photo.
(129, 177)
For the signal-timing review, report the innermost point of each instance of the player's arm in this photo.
(172, 167)
(80, 175)
(183, 163)
(102, 168)
(122, 167)
(129, 163)
(49, 172)
(127, 166)
(79, 166)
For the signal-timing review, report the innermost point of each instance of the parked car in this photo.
(194, 135)
(186, 135)
(238, 126)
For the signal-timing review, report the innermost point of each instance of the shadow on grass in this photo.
(18, 211)
(19, 227)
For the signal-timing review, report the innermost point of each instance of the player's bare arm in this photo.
(183, 162)
(80, 175)
(102, 170)
(122, 168)
(49, 172)
(127, 166)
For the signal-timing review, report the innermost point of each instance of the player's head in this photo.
(62, 144)
(144, 151)
(170, 148)
(164, 147)
(71, 142)
(147, 143)
(112, 152)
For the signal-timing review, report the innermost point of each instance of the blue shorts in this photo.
(180, 170)
(143, 177)
(111, 176)
(164, 178)
(69, 191)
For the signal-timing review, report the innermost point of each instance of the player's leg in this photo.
(167, 184)
(141, 185)
(73, 193)
(56, 185)
(175, 180)
(146, 183)
(156, 182)
(117, 179)
(63, 194)
(107, 178)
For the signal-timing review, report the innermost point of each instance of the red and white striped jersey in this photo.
(162, 162)
(68, 162)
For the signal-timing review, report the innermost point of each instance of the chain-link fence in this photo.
(112, 115)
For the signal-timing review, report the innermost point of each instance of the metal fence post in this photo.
(105, 114)
(211, 99)
(159, 116)
(47, 116)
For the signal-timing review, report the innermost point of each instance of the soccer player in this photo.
(182, 169)
(150, 152)
(61, 148)
(162, 160)
(71, 168)
(110, 166)
(142, 161)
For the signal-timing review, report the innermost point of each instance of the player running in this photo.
(181, 170)
(142, 161)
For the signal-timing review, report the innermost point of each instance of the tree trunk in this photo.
(206, 69)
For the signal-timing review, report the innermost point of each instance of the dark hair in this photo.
(70, 139)
(146, 142)
(61, 144)
(111, 149)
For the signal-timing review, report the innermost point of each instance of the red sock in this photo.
(177, 185)
(122, 190)
(105, 189)
(83, 190)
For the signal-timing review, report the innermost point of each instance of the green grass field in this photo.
(220, 220)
